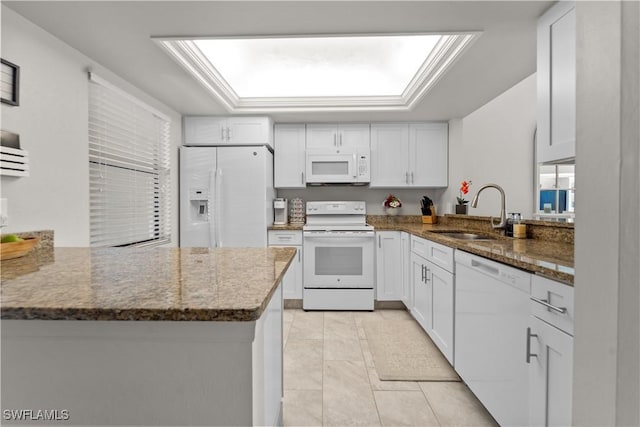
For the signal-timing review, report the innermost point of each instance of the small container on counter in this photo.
(519, 229)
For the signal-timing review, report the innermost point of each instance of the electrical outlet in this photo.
(4, 216)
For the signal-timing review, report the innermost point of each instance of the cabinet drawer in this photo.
(285, 237)
(420, 246)
(558, 295)
(441, 255)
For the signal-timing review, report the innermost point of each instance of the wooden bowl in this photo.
(12, 250)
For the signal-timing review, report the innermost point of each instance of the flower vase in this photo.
(391, 211)
(461, 209)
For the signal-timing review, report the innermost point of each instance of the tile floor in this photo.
(330, 379)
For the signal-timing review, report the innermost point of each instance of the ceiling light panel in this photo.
(309, 73)
(318, 66)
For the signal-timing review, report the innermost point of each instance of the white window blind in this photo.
(128, 169)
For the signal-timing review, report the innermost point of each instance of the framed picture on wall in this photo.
(9, 83)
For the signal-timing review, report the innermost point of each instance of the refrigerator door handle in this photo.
(213, 232)
(218, 220)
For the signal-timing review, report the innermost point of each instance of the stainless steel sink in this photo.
(462, 235)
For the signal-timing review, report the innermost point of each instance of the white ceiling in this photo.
(118, 35)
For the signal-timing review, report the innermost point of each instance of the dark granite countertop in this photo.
(551, 259)
(228, 284)
(286, 226)
(549, 254)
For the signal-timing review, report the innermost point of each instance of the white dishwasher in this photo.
(491, 319)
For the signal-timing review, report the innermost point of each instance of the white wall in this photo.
(496, 146)
(52, 122)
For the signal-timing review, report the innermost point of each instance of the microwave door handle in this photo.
(355, 165)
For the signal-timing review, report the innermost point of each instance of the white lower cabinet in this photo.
(550, 353)
(440, 283)
(388, 266)
(433, 293)
(421, 301)
(292, 282)
(407, 285)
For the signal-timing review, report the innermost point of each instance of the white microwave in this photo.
(348, 167)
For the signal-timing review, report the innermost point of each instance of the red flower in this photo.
(464, 189)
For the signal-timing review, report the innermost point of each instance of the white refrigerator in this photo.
(226, 196)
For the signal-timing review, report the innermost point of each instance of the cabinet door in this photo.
(428, 154)
(550, 375)
(249, 130)
(289, 156)
(407, 286)
(354, 135)
(556, 76)
(421, 299)
(389, 266)
(292, 281)
(322, 136)
(297, 291)
(389, 155)
(204, 130)
(440, 283)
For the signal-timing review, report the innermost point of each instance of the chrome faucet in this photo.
(503, 215)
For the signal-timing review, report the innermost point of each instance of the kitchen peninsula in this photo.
(156, 336)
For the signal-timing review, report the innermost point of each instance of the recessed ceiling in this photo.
(119, 36)
(316, 73)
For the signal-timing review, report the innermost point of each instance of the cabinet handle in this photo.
(561, 310)
(379, 244)
(529, 354)
(301, 177)
(228, 134)
(298, 255)
(406, 177)
(335, 140)
(340, 140)
(426, 276)
(422, 280)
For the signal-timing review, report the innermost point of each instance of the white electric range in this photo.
(338, 257)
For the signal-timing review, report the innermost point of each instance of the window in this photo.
(556, 191)
(128, 169)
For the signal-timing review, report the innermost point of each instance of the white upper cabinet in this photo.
(289, 156)
(428, 154)
(556, 76)
(389, 154)
(338, 136)
(214, 130)
(204, 130)
(409, 155)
